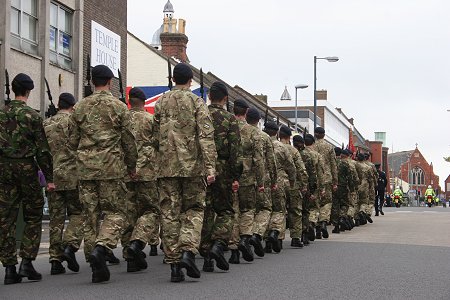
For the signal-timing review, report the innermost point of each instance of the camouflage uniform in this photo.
(219, 213)
(313, 185)
(264, 200)
(65, 198)
(330, 177)
(22, 144)
(373, 181)
(143, 201)
(286, 179)
(99, 130)
(294, 196)
(313, 205)
(364, 175)
(184, 137)
(336, 205)
(252, 158)
(353, 195)
(345, 184)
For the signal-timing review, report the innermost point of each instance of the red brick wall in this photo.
(447, 191)
(376, 149)
(111, 14)
(174, 45)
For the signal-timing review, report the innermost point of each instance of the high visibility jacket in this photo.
(430, 192)
(398, 192)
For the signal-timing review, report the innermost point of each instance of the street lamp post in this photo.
(298, 86)
(329, 59)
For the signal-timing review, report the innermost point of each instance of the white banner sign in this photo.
(105, 48)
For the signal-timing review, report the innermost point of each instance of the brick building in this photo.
(52, 39)
(412, 167)
(447, 188)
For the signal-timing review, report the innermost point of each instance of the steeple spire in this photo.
(286, 96)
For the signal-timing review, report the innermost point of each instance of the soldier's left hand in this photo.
(334, 187)
(235, 186)
(210, 179)
(51, 186)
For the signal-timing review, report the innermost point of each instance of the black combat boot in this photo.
(57, 268)
(273, 239)
(352, 222)
(245, 248)
(11, 275)
(69, 256)
(176, 274)
(295, 242)
(369, 219)
(376, 214)
(311, 234)
(268, 247)
(281, 243)
(381, 212)
(26, 269)
(132, 266)
(357, 222)
(208, 264)
(336, 229)
(153, 250)
(342, 224)
(324, 228)
(256, 242)
(318, 232)
(216, 253)
(111, 258)
(188, 262)
(234, 258)
(305, 238)
(135, 251)
(100, 271)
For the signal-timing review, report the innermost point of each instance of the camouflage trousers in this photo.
(305, 213)
(353, 203)
(278, 215)
(219, 213)
(335, 209)
(182, 203)
(263, 210)
(143, 214)
(247, 209)
(314, 209)
(105, 198)
(60, 203)
(371, 201)
(19, 185)
(294, 204)
(325, 204)
(234, 239)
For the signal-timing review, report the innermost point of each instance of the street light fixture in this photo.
(298, 86)
(329, 59)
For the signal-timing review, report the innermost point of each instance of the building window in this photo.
(24, 25)
(61, 35)
(418, 176)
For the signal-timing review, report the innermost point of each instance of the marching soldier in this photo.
(184, 139)
(99, 130)
(23, 150)
(65, 198)
(219, 213)
(335, 207)
(372, 186)
(364, 175)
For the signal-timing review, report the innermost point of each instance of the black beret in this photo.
(285, 130)
(253, 115)
(345, 152)
(24, 81)
(219, 86)
(309, 138)
(182, 72)
(350, 152)
(298, 139)
(102, 71)
(241, 103)
(319, 130)
(337, 150)
(67, 98)
(377, 165)
(137, 93)
(366, 155)
(271, 125)
(360, 156)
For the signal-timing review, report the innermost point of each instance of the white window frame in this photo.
(60, 55)
(20, 36)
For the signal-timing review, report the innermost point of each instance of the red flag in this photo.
(351, 146)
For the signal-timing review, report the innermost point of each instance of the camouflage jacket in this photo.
(227, 138)
(302, 176)
(374, 175)
(64, 159)
(364, 175)
(271, 175)
(355, 180)
(329, 157)
(285, 163)
(313, 181)
(22, 135)
(142, 130)
(345, 177)
(318, 166)
(252, 155)
(184, 135)
(100, 132)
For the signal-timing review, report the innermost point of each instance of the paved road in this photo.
(403, 255)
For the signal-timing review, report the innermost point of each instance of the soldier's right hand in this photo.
(51, 186)
(210, 179)
(274, 187)
(235, 186)
(261, 189)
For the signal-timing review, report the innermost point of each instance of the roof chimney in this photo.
(321, 95)
(174, 42)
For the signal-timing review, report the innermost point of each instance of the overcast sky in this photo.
(394, 68)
